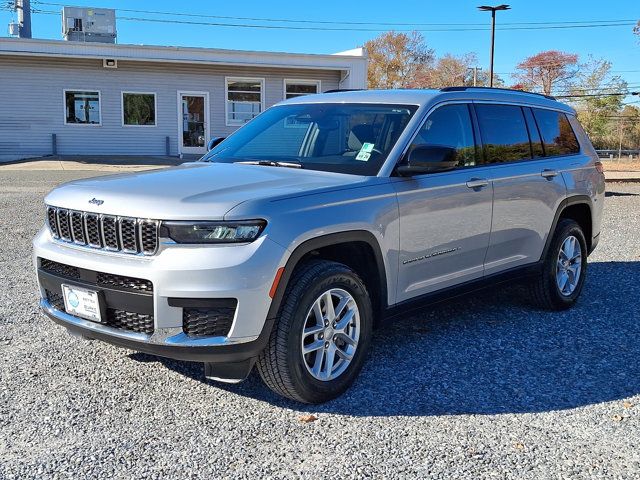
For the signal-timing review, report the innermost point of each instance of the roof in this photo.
(398, 96)
(432, 96)
(344, 61)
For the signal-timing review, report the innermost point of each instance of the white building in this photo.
(82, 98)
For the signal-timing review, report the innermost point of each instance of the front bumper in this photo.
(242, 272)
(171, 343)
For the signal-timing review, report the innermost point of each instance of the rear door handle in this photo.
(477, 183)
(549, 173)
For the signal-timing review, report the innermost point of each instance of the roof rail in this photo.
(463, 88)
(338, 90)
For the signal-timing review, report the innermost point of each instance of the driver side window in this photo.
(450, 126)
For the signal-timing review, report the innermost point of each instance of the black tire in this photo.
(544, 289)
(281, 364)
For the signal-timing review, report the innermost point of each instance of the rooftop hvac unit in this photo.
(89, 24)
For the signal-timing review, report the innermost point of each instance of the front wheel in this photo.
(563, 270)
(322, 334)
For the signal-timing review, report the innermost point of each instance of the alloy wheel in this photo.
(569, 266)
(330, 334)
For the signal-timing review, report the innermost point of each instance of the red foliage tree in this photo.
(547, 70)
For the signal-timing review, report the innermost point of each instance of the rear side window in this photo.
(557, 135)
(450, 126)
(504, 133)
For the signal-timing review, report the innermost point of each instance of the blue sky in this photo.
(617, 44)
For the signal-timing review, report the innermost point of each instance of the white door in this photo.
(193, 109)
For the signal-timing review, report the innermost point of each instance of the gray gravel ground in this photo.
(482, 387)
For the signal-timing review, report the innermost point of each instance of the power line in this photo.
(610, 85)
(599, 90)
(334, 22)
(611, 80)
(333, 29)
(617, 94)
(569, 92)
(554, 64)
(558, 64)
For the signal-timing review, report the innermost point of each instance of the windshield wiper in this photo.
(271, 163)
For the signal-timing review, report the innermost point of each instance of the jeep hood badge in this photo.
(95, 201)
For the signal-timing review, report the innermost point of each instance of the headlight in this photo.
(213, 232)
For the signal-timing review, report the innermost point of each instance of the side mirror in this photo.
(428, 159)
(214, 142)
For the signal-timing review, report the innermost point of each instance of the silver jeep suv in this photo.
(287, 243)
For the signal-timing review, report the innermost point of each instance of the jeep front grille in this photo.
(107, 232)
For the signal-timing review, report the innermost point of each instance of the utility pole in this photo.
(23, 7)
(475, 75)
(493, 10)
(620, 138)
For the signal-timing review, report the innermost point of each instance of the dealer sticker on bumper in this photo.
(81, 302)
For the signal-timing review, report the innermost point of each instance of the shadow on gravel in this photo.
(492, 353)
(620, 194)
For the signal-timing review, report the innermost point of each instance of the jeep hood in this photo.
(192, 191)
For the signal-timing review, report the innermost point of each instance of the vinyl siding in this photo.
(32, 102)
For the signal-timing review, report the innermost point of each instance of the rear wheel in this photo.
(564, 268)
(322, 334)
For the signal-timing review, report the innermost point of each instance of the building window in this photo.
(244, 99)
(138, 109)
(82, 107)
(297, 88)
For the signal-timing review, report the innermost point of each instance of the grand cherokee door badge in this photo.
(432, 254)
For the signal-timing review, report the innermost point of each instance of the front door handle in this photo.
(548, 173)
(477, 183)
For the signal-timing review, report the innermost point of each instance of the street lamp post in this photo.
(493, 11)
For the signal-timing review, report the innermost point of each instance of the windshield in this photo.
(343, 138)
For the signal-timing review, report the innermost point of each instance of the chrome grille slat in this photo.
(128, 236)
(92, 224)
(52, 221)
(107, 232)
(109, 225)
(63, 224)
(77, 227)
(148, 232)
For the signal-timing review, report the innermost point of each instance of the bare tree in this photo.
(454, 70)
(448, 71)
(396, 60)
